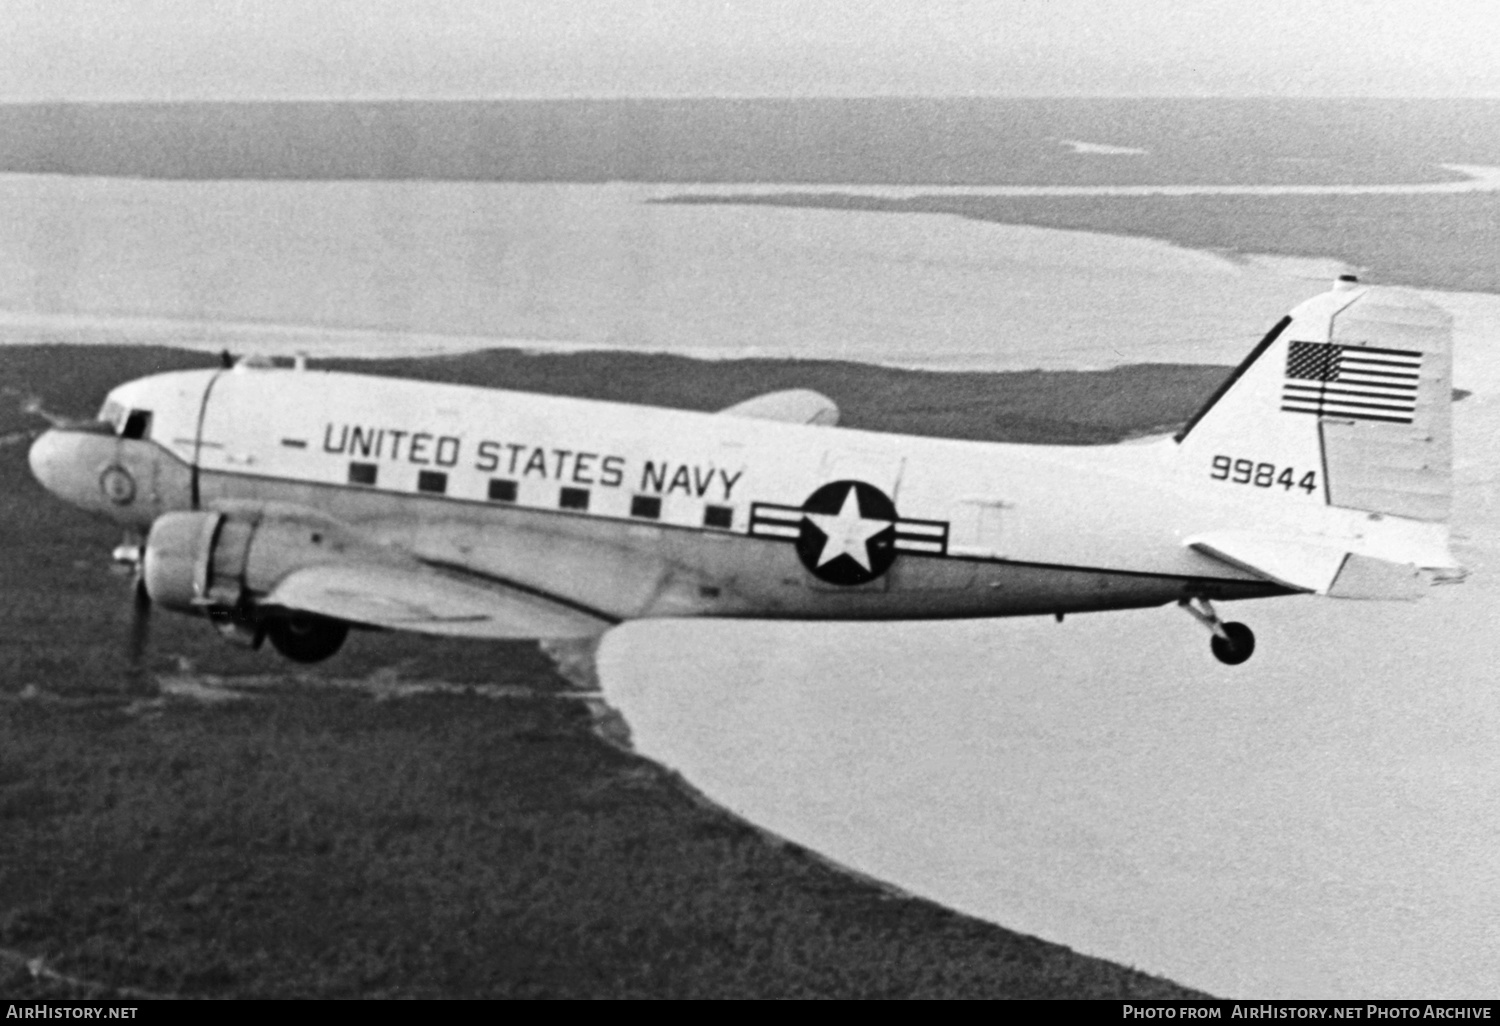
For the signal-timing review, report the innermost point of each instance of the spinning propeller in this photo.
(131, 554)
(31, 405)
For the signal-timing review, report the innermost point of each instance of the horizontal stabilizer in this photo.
(793, 406)
(429, 602)
(1320, 566)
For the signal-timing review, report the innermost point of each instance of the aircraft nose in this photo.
(129, 482)
(67, 463)
(48, 460)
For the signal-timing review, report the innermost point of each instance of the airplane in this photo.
(293, 504)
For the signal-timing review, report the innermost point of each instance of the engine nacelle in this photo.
(202, 562)
(191, 562)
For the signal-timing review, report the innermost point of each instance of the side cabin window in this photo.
(137, 425)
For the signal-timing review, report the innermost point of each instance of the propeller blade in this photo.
(33, 405)
(20, 437)
(138, 677)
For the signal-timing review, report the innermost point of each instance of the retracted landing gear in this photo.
(1232, 643)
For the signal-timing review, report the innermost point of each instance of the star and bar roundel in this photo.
(848, 532)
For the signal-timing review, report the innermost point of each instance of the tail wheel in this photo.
(307, 639)
(1238, 646)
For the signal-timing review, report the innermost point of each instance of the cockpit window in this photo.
(111, 413)
(137, 424)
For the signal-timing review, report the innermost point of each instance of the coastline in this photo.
(1440, 231)
(412, 268)
(675, 895)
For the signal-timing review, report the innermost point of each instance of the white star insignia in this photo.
(847, 533)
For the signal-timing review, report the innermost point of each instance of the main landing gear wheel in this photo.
(1232, 643)
(307, 639)
(1235, 645)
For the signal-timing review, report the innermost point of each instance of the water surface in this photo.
(370, 267)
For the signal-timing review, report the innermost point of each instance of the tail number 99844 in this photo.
(1262, 475)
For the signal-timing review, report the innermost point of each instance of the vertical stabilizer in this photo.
(1346, 402)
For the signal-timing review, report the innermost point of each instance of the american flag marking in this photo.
(1358, 382)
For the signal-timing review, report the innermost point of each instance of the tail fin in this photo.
(1348, 399)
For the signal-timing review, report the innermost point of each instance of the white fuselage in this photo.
(638, 511)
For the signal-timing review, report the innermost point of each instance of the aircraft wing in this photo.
(1317, 565)
(793, 406)
(431, 601)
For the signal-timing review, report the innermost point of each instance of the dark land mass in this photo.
(420, 817)
(975, 141)
(1425, 241)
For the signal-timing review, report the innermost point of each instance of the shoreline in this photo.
(1343, 224)
(801, 909)
(776, 284)
(23, 330)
